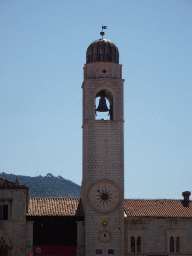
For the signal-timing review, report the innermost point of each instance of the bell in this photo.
(102, 105)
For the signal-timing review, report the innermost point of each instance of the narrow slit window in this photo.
(132, 244)
(171, 244)
(138, 244)
(178, 244)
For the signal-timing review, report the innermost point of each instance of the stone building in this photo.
(101, 221)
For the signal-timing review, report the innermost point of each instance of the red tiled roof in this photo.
(157, 208)
(51, 206)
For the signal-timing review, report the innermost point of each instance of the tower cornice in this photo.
(102, 121)
(110, 63)
(103, 80)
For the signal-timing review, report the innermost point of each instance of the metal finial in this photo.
(102, 33)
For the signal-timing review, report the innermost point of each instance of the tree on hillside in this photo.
(49, 175)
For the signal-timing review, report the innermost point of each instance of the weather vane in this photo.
(102, 33)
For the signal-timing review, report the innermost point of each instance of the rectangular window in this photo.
(110, 251)
(3, 212)
(98, 251)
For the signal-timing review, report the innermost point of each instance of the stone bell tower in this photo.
(102, 191)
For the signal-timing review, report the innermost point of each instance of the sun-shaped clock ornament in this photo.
(104, 196)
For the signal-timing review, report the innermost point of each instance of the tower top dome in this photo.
(102, 50)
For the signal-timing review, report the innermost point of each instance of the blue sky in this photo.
(42, 53)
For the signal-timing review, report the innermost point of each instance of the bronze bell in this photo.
(102, 103)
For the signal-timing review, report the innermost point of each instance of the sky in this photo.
(42, 54)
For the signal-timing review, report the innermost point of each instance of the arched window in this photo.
(104, 105)
(171, 244)
(132, 244)
(138, 244)
(178, 244)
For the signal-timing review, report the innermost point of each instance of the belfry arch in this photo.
(107, 94)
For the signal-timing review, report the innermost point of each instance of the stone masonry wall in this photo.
(94, 70)
(80, 238)
(92, 87)
(103, 159)
(29, 237)
(103, 155)
(155, 234)
(15, 227)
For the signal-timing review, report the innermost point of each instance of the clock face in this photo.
(104, 196)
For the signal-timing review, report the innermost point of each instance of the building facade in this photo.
(101, 221)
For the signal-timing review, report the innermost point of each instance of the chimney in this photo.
(186, 195)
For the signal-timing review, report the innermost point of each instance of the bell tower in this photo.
(102, 191)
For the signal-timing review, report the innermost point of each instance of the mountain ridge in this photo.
(46, 186)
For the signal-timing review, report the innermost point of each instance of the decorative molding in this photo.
(105, 79)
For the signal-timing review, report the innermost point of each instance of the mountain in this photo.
(47, 186)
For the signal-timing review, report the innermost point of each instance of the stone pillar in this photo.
(80, 238)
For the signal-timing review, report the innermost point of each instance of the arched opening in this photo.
(3, 247)
(104, 105)
(132, 244)
(178, 244)
(171, 244)
(138, 244)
